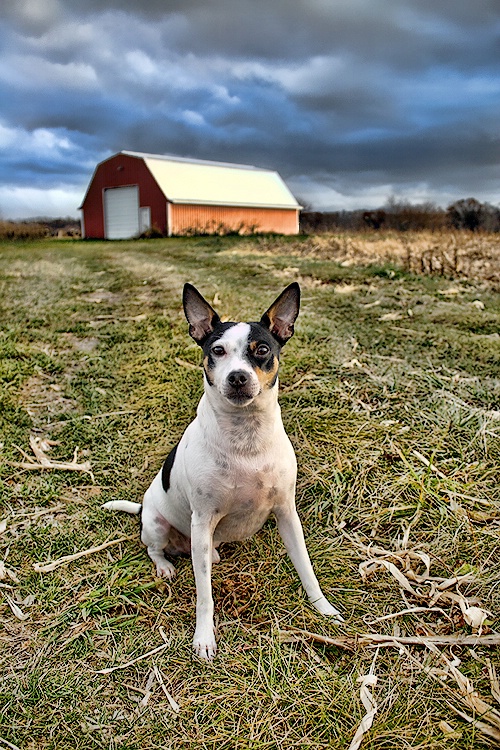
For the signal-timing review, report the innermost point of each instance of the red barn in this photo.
(131, 192)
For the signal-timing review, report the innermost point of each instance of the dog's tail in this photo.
(125, 505)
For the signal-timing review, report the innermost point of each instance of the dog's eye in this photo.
(262, 350)
(218, 351)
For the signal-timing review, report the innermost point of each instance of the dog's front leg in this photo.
(292, 534)
(202, 531)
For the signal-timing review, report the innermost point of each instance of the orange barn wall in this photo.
(193, 219)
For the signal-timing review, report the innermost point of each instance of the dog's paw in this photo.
(165, 569)
(204, 645)
(327, 609)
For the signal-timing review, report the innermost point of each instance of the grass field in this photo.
(390, 391)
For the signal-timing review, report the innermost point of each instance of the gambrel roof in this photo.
(216, 183)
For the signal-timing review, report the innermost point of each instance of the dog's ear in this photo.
(200, 315)
(283, 313)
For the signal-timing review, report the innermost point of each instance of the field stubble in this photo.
(391, 395)
(466, 255)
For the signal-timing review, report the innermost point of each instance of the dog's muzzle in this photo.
(240, 387)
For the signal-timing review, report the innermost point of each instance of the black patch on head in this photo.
(260, 335)
(167, 468)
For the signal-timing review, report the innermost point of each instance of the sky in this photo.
(352, 102)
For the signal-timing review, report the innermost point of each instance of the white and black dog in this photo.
(234, 466)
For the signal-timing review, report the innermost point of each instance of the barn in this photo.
(132, 192)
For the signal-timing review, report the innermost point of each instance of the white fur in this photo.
(124, 505)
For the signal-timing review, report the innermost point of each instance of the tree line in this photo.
(467, 213)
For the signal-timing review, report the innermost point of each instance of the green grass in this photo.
(383, 363)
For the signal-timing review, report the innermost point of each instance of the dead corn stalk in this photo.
(43, 462)
(411, 569)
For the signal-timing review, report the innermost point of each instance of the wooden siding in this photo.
(121, 171)
(196, 219)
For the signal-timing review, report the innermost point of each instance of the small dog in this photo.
(234, 466)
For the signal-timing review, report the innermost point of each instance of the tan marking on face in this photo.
(207, 370)
(266, 377)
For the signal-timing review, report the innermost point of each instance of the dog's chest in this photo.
(238, 467)
(245, 497)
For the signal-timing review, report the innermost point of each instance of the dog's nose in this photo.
(237, 378)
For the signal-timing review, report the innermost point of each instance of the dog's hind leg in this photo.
(155, 534)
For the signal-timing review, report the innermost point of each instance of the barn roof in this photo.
(216, 183)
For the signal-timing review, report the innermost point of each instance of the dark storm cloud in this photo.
(350, 101)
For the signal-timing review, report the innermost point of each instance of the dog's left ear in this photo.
(283, 313)
(200, 315)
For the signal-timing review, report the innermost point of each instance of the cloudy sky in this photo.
(352, 101)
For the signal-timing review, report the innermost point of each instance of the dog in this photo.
(235, 465)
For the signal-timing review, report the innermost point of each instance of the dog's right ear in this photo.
(200, 315)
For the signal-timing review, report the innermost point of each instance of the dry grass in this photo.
(12, 230)
(466, 255)
(390, 393)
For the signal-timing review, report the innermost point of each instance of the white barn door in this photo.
(121, 212)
